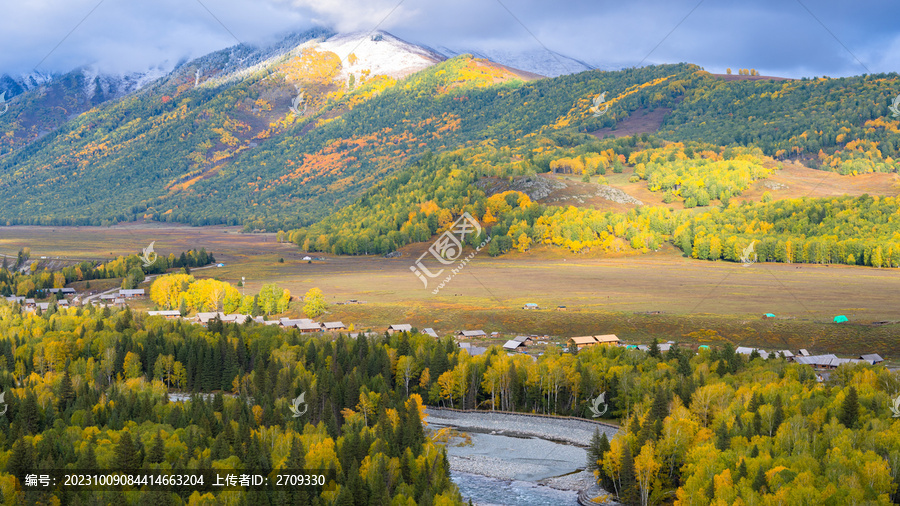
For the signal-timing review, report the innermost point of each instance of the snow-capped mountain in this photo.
(381, 53)
(89, 79)
(20, 84)
(537, 61)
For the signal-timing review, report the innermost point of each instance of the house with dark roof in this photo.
(872, 358)
(828, 361)
(512, 345)
(205, 317)
(399, 327)
(335, 326)
(518, 343)
(472, 350)
(310, 327)
(742, 350)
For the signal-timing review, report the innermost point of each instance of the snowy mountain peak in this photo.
(379, 52)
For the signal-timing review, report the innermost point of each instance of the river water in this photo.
(501, 469)
(490, 491)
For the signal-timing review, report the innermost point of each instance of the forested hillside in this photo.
(87, 389)
(424, 199)
(371, 163)
(234, 152)
(844, 124)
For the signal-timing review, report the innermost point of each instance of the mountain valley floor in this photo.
(637, 297)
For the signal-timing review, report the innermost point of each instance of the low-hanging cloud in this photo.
(772, 36)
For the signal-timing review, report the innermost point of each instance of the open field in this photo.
(102, 243)
(699, 301)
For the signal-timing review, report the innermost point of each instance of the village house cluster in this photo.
(822, 364)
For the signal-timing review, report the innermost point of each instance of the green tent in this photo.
(770, 315)
(840, 319)
(703, 347)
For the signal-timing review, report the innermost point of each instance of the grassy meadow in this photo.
(697, 301)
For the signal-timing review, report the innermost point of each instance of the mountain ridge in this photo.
(282, 136)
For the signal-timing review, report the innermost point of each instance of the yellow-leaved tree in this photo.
(314, 303)
(166, 290)
(645, 469)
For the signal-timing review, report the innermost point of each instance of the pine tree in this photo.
(722, 442)
(722, 368)
(158, 450)
(778, 417)
(741, 471)
(599, 445)
(30, 415)
(660, 408)
(297, 455)
(21, 460)
(759, 483)
(412, 436)
(850, 409)
(755, 402)
(66, 393)
(654, 348)
(125, 454)
(629, 493)
(87, 460)
(684, 364)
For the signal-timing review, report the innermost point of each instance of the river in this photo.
(514, 459)
(486, 491)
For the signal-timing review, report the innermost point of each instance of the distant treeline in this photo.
(841, 230)
(131, 268)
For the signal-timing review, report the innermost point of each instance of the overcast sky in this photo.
(776, 37)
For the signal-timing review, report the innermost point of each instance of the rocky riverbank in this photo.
(578, 432)
(519, 448)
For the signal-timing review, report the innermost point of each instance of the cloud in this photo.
(772, 36)
(357, 15)
(57, 36)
